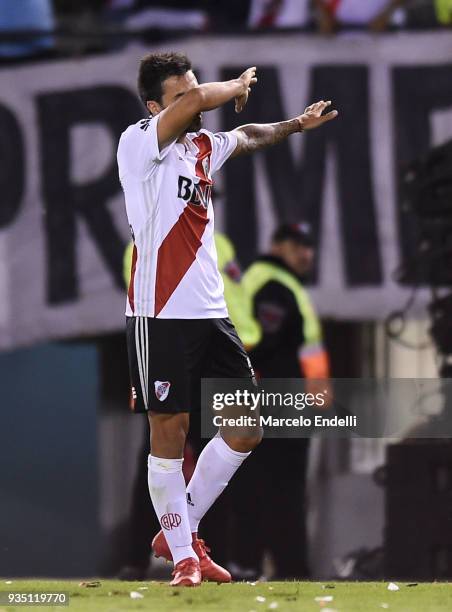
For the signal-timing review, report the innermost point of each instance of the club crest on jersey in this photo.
(161, 389)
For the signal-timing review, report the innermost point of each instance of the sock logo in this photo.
(162, 389)
(189, 502)
(170, 521)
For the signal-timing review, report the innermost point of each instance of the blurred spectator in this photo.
(279, 14)
(228, 14)
(377, 15)
(83, 21)
(23, 15)
(443, 10)
(428, 13)
(74, 7)
(160, 14)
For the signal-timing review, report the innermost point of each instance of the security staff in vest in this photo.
(142, 522)
(291, 347)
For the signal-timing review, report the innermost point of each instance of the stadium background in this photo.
(67, 90)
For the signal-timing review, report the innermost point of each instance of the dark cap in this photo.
(298, 232)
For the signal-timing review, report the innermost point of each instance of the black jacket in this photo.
(276, 308)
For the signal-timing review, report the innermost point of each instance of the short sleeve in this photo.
(138, 150)
(223, 145)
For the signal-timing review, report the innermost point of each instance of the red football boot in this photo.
(160, 547)
(187, 573)
(209, 569)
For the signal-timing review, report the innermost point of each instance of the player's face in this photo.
(298, 257)
(176, 86)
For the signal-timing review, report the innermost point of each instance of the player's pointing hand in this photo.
(312, 116)
(247, 79)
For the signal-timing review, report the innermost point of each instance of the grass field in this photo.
(114, 596)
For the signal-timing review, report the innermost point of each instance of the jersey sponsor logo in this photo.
(170, 521)
(197, 194)
(161, 389)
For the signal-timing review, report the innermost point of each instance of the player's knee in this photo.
(168, 434)
(253, 441)
(245, 444)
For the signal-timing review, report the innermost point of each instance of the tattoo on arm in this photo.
(256, 136)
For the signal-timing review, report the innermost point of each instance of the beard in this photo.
(196, 123)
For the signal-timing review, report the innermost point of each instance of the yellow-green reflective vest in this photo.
(444, 11)
(127, 263)
(262, 272)
(239, 304)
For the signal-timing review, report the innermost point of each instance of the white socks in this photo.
(168, 495)
(178, 509)
(215, 467)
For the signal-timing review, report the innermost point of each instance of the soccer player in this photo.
(177, 323)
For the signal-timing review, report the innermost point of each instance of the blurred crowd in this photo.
(46, 27)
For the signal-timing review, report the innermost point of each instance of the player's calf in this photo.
(167, 487)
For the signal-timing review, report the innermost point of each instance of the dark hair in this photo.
(297, 232)
(155, 68)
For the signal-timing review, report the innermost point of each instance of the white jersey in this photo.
(168, 201)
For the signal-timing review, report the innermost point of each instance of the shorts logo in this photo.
(170, 521)
(162, 389)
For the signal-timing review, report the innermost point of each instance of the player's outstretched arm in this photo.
(175, 118)
(256, 136)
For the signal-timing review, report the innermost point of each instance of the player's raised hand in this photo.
(312, 116)
(248, 78)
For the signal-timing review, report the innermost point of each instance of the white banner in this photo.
(62, 219)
